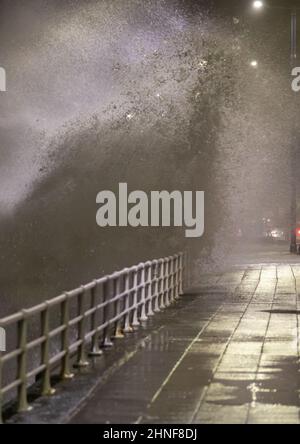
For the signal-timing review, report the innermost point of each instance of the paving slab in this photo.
(227, 353)
(234, 361)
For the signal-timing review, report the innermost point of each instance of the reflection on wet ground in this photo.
(231, 355)
(228, 352)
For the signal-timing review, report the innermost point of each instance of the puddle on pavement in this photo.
(277, 383)
(279, 311)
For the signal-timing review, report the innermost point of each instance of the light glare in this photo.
(258, 4)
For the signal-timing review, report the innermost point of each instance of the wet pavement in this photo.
(228, 353)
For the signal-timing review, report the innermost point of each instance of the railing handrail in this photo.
(117, 304)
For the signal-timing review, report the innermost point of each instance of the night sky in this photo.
(157, 93)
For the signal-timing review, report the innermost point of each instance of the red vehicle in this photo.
(298, 239)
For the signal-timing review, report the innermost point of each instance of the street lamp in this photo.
(293, 56)
(254, 63)
(258, 4)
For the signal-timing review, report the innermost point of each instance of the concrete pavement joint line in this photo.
(297, 322)
(225, 349)
(140, 418)
(297, 319)
(184, 355)
(109, 372)
(227, 344)
(186, 352)
(263, 343)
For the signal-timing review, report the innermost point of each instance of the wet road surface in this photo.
(229, 355)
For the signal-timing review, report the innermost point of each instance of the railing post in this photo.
(135, 320)
(143, 295)
(175, 278)
(107, 310)
(155, 290)
(22, 364)
(171, 279)
(81, 359)
(176, 294)
(65, 317)
(149, 290)
(127, 326)
(95, 349)
(167, 282)
(180, 273)
(47, 390)
(118, 333)
(162, 285)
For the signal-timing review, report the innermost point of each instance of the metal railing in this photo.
(78, 323)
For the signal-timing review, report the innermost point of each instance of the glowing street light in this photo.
(254, 63)
(258, 4)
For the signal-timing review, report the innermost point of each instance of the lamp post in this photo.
(258, 5)
(293, 245)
